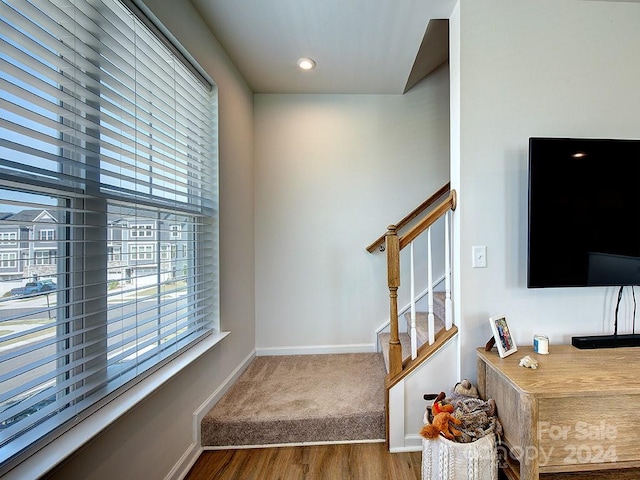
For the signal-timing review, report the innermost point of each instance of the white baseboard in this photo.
(317, 349)
(412, 443)
(208, 404)
(406, 449)
(190, 456)
(188, 460)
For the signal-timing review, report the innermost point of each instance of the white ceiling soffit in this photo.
(434, 51)
(359, 46)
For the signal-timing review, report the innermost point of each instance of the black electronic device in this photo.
(606, 341)
(584, 212)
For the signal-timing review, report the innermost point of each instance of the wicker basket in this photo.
(443, 459)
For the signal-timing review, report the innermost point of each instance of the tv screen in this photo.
(584, 212)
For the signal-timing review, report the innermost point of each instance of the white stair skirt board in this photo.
(406, 401)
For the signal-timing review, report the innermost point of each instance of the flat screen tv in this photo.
(584, 212)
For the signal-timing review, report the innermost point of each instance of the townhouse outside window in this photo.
(142, 252)
(45, 257)
(47, 235)
(143, 231)
(107, 143)
(115, 254)
(165, 251)
(8, 238)
(8, 260)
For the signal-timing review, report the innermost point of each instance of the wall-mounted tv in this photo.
(584, 212)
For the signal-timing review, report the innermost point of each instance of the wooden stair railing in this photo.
(380, 241)
(425, 351)
(394, 245)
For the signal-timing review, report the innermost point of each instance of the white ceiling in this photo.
(360, 46)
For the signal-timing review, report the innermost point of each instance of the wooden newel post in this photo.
(393, 280)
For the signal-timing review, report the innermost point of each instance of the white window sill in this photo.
(57, 450)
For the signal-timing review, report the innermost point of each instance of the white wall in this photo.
(332, 171)
(532, 68)
(152, 438)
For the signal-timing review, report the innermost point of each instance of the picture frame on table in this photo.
(502, 334)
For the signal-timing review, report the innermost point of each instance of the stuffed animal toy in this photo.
(478, 417)
(441, 424)
(473, 417)
(438, 407)
(466, 388)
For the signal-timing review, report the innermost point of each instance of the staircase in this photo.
(423, 357)
(298, 400)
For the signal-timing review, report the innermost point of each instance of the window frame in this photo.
(12, 238)
(79, 256)
(39, 257)
(175, 232)
(46, 232)
(137, 228)
(142, 252)
(114, 252)
(8, 260)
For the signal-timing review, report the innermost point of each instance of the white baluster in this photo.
(431, 317)
(413, 333)
(448, 305)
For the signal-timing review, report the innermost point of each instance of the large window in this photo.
(104, 129)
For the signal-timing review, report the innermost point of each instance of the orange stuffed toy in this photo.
(440, 424)
(439, 407)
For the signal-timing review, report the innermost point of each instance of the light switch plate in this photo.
(479, 259)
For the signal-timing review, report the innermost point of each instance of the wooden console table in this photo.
(579, 411)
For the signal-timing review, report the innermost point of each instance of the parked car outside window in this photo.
(32, 288)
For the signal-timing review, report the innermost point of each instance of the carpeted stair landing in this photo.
(298, 399)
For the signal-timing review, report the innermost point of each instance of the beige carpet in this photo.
(301, 398)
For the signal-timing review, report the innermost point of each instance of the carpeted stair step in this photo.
(422, 329)
(405, 342)
(422, 325)
(298, 399)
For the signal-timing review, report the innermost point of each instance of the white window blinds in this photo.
(107, 149)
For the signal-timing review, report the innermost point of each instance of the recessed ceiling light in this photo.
(306, 63)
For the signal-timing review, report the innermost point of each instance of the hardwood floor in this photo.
(354, 461)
